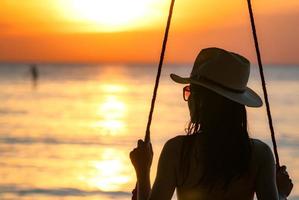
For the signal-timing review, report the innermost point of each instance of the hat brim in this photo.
(248, 97)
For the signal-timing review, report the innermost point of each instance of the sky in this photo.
(52, 31)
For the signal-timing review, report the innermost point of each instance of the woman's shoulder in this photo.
(261, 150)
(259, 145)
(174, 144)
(176, 141)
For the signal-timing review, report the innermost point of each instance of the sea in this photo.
(67, 135)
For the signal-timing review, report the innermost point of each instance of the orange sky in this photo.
(91, 31)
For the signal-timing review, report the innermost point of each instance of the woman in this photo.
(216, 159)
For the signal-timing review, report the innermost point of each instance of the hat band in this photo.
(211, 82)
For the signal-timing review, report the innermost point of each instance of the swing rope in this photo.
(147, 137)
(263, 82)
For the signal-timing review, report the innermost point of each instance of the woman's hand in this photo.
(141, 158)
(283, 181)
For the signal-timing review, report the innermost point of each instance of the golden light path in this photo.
(112, 111)
(111, 171)
(113, 15)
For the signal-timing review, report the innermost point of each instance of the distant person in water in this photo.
(34, 73)
(217, 159)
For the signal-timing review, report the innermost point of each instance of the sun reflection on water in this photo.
(111, 173)
(112, 88)
(112, 170)
(112, 111)
(113, 108)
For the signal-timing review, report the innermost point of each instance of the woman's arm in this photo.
(272, 183)
(266, 177)
(165, 181)
(143, 186)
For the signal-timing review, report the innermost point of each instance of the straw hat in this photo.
(223, 72)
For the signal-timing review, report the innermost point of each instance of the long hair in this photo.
(225, 143)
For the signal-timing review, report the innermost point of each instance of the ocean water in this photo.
(69, 135)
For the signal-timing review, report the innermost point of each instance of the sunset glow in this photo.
(77, 79)
(113, 15)
(119, 30)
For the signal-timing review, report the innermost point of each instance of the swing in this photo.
(259, 59)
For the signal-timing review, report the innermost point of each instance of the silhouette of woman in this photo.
(217, 159)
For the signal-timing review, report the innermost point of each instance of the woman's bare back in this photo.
(243, 188)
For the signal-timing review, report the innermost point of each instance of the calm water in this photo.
(69, 136)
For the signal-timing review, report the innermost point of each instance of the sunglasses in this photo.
(186, 92)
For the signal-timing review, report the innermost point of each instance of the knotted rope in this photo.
(263, 82)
